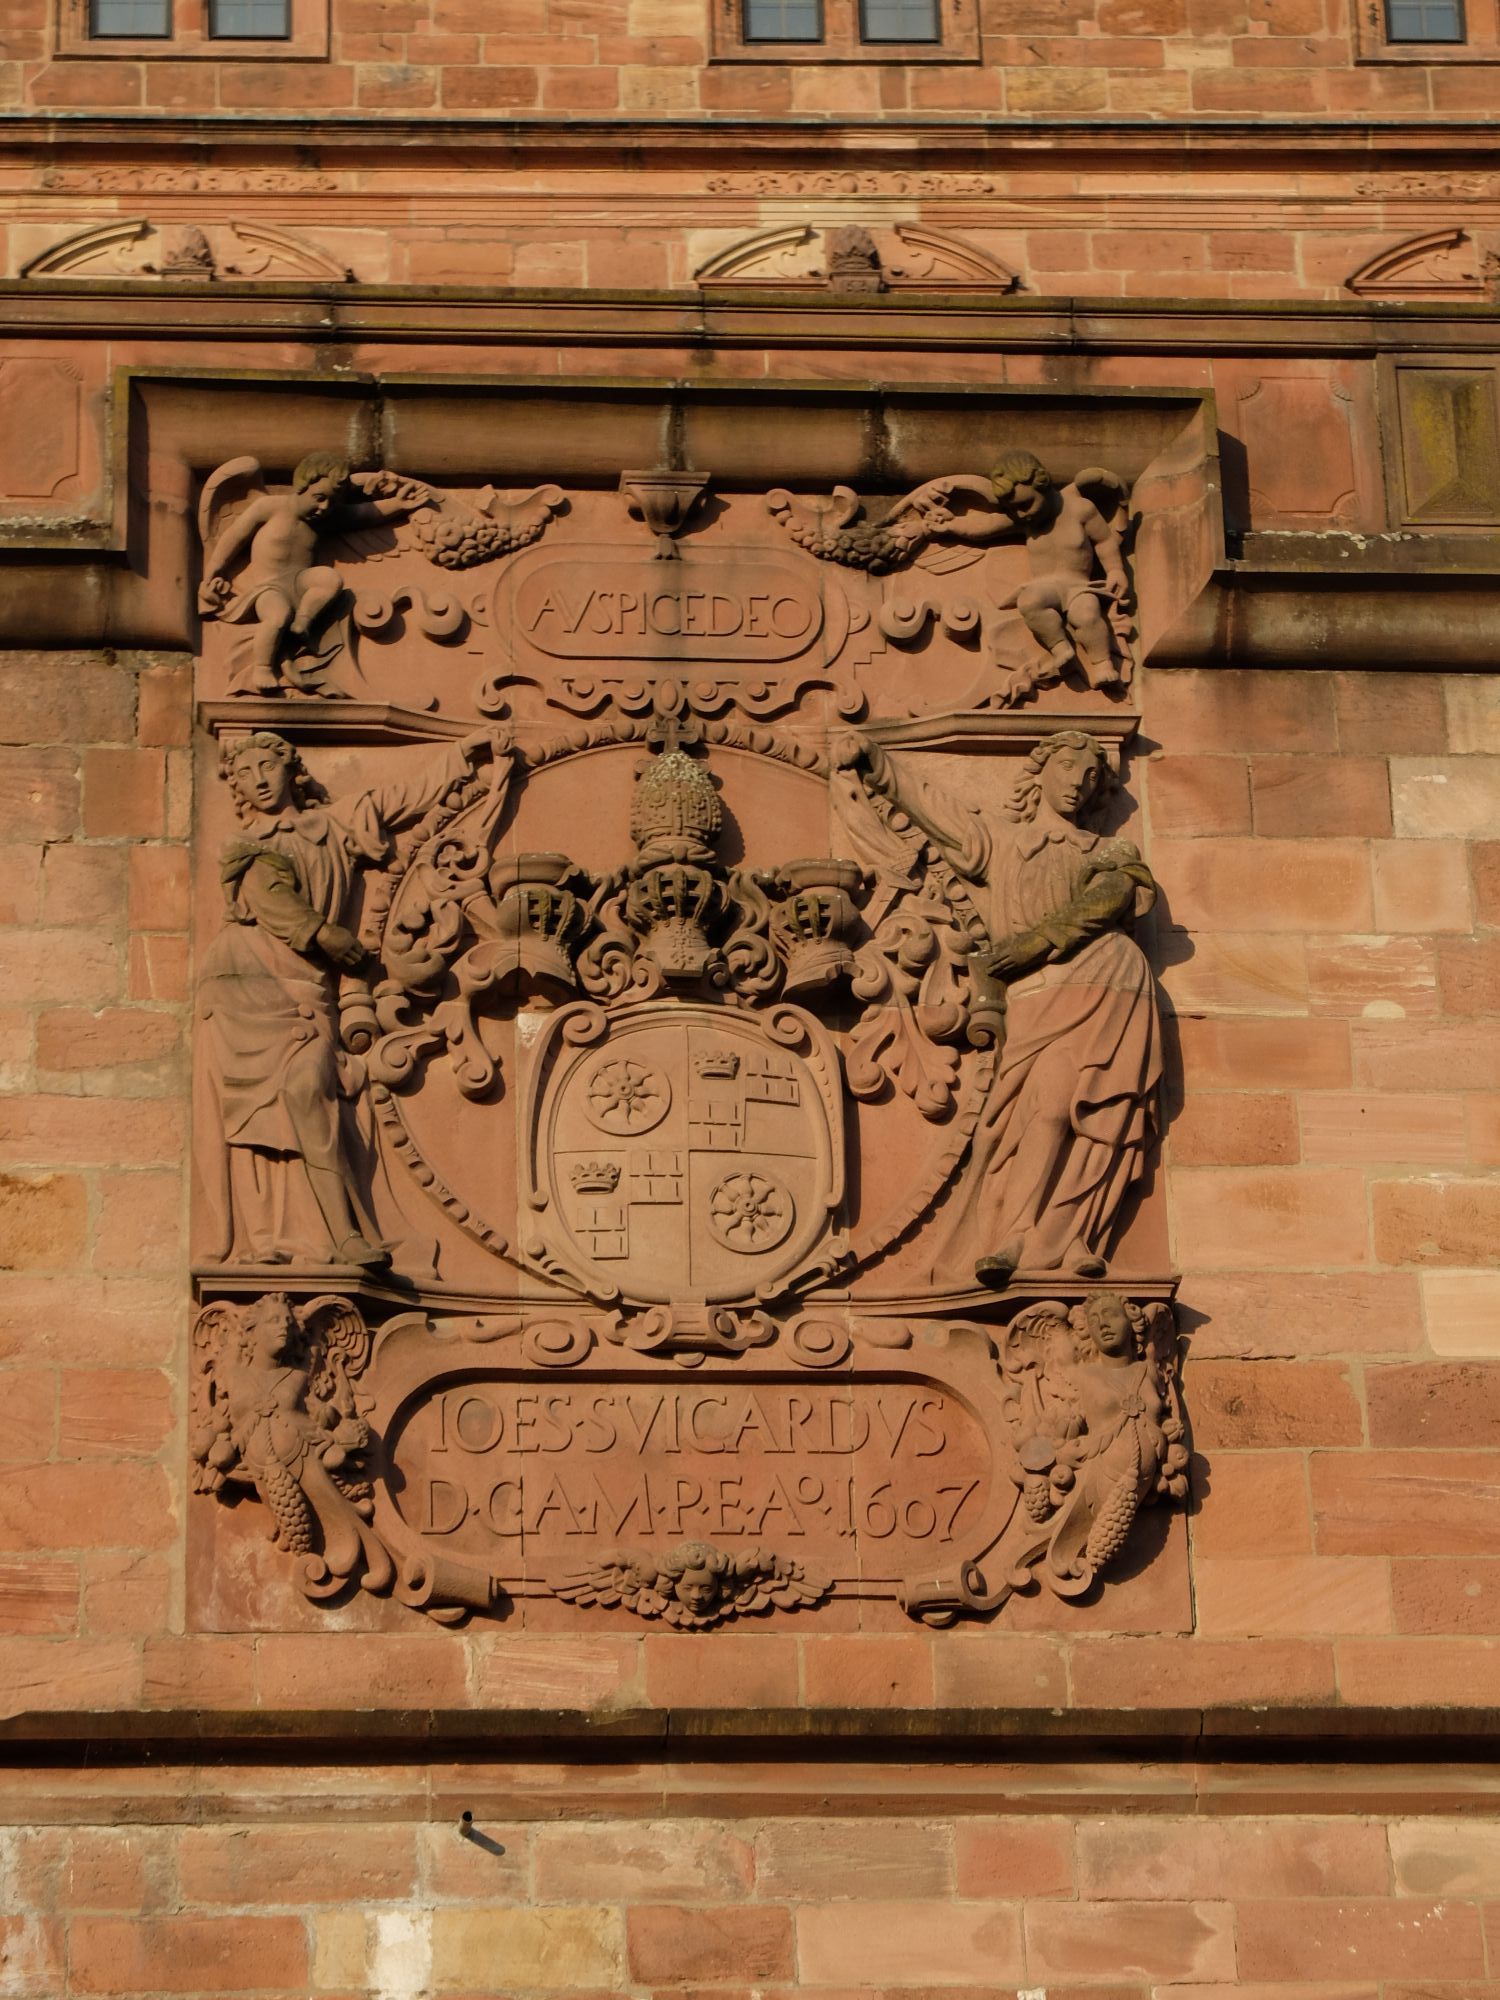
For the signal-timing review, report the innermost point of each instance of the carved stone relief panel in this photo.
(970, 592)
(676, 1076)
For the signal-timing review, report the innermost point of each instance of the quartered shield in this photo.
(682, 1152)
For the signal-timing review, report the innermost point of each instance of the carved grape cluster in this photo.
(463, 542)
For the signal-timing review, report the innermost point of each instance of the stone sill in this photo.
(522, 1765)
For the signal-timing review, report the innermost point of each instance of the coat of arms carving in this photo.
(677, 1073)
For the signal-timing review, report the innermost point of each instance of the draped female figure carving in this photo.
(272, 1138)
(1072, 1112)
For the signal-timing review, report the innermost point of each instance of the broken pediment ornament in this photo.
(855, 258)
(140, 248)
(1440, 263)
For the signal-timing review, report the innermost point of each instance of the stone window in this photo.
(131, 17)
(849, 30)
(261, 20)
(1427, 31)
(1424, 21)
(210, 30)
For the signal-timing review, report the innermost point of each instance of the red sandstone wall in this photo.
(1329, 850)
(903, 1907)
(1328, 846)
(648, 58)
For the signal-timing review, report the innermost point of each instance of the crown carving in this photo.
(674, 802)
(716, 1062)
(595, 1177)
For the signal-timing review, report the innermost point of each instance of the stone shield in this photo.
(679, 1152)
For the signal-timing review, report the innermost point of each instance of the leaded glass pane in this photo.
(130, 17)
(250, 20)
(901, 20)
(1424, 20)
(783, 20)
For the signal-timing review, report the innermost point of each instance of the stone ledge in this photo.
(1376, 1734)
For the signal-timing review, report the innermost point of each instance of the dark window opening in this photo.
(903, 20)
(108, 18)
(1424, 20)
(250, 20)
(783, 20)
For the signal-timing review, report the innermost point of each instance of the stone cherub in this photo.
(281, 589)
(1093, 1405)
(694, 1585)
(273, 1408)
(1076, 599)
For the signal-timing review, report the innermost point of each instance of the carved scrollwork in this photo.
(749, 1117)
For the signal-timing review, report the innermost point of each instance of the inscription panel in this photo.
(756, 610)
(502, 1471)
(886, 1476)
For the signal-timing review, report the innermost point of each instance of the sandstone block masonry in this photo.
(1328, 1183)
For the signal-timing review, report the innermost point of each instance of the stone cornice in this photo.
(521, 1764)
(901, 142)
(84, 308)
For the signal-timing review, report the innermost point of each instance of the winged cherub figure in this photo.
(694, 1585)
(1095, 1410)
(273, 541)
(273, 1408)
(1075, 603)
